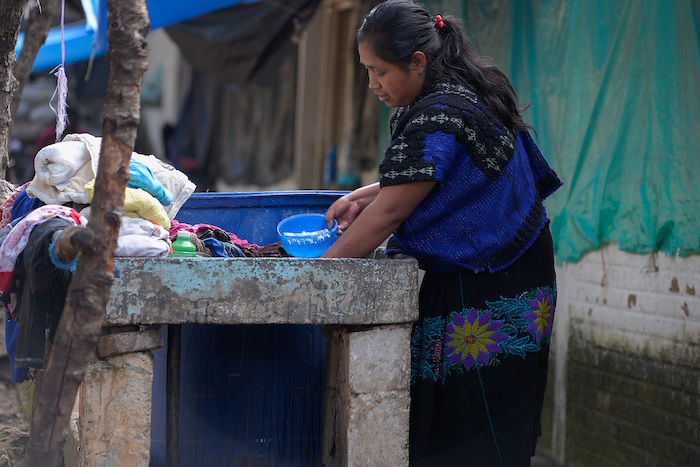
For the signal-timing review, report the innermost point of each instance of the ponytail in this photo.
(458, 62)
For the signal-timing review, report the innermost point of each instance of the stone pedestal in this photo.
(366, 305)
(114, 422)
(366, 409)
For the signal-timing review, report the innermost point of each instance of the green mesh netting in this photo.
(614, 88)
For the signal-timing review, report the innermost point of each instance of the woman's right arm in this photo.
(392, 205)
(346, 208)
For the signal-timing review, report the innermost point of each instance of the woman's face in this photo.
(393, 85)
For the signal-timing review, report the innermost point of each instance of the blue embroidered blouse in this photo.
(486, 209)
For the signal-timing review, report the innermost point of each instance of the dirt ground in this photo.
(14, 421)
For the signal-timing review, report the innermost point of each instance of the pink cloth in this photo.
(175, 226)
(19, 235)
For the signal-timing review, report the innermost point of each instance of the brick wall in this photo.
(628, 391)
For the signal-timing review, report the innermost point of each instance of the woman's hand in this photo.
(344, 210)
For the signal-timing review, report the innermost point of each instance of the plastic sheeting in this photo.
(237, 123)
(614, 89)
(89, 38)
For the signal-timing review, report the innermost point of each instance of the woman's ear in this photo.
(418, 61)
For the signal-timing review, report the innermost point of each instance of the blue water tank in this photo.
(250, 395)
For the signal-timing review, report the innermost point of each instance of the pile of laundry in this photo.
(34, 278)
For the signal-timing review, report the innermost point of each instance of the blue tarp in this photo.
(89, 37)
(615, 94)
(79, 43)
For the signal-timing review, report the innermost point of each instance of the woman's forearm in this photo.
(364, 195)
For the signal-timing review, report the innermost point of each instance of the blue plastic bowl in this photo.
(306, 235)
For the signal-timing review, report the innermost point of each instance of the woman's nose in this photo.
(373, 83)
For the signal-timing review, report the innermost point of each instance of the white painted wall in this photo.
(646, 306)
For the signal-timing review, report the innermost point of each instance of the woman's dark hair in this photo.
(396, 29)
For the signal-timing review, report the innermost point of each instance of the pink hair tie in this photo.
(440, 22)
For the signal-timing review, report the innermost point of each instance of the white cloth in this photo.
(61, 172)
(57, 163)
(139, 226)
(140, 237)
(142, 245)
(77, 157)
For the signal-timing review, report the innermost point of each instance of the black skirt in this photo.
(479, 363)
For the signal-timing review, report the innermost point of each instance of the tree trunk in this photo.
(75, 342)
(10, 21)
(35, 35)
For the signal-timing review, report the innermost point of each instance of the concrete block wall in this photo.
(628, 390)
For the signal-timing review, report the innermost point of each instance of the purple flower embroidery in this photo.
(541, 316)
(472, 338)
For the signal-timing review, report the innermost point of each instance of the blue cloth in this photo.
(223, 249)
(23, 205)
(141, 176)
(486, 209)
(11, 330)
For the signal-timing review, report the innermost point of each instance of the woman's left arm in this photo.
(379, 219)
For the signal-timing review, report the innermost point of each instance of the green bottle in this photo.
(182, 246)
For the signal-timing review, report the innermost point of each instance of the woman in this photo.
(461, 189)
